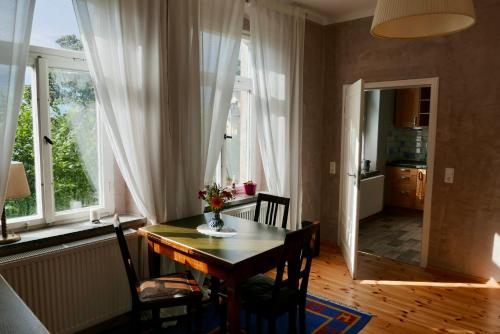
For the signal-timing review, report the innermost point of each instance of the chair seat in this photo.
(257, 293)
(174, 287)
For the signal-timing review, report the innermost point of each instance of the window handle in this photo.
(48, 140)
(227, 137)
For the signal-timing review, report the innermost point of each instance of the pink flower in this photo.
(202, 194)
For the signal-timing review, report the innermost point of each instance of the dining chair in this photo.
(270, 298)
(273, 204)
(178, 289)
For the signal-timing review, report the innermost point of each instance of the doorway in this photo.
(393, 154)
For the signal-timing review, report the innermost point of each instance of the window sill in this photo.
(60, 234)
(241, 199)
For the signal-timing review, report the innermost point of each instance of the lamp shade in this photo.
(17, 184)
(421, 18)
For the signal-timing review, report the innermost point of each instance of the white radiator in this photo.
(73, 286)
(242, 211)
(247, 211)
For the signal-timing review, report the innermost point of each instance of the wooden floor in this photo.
(407, 299)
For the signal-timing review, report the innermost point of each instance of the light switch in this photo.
(449, 174)
(333, 167)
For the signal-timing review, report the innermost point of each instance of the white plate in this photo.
(225, 232)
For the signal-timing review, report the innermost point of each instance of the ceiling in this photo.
(331, 11)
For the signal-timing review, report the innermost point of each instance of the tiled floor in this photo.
(396, 235)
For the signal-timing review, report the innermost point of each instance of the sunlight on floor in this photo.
(496, 250)
(491, 284)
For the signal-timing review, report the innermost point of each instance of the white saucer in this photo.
(225, 232)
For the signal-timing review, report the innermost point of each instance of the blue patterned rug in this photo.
(322, 316)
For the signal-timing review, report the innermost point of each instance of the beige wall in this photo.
(466, 214)
(313, 94)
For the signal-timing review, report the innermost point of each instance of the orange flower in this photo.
(216, 202)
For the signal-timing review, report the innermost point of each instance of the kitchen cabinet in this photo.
(406, 187)
(412, 107)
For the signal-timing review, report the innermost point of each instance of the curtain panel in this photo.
(16, 17)
(277, 40)
(221, 25)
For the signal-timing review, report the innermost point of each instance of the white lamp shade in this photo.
(17, 185)
(421, 18)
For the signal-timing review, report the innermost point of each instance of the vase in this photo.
(216, 222)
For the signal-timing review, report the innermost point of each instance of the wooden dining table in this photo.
(253, 250)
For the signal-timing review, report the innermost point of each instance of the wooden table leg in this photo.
(153, 261)
(233, 309)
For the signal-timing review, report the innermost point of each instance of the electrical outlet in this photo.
(333, 167)
(449, 175)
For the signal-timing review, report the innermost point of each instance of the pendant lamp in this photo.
(421, 18)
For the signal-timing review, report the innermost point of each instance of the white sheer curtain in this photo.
(123, 41)
(221, 25)
(277, 41)
(16, 17)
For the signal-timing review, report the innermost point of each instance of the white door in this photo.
(350, 172)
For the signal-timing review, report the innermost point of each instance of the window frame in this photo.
(241, 83)
(40, 60)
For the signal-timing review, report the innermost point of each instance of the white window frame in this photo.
(40, 60)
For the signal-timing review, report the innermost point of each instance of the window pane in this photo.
(24, 152)
(55, 25)
(73, 121)
(244, 65)
(236, 149)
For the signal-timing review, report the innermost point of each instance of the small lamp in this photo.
(17, 187)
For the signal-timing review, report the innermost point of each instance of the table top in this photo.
(251, 239)
(15, 316)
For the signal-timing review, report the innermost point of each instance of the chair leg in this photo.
(156, 317)
(199, 317)
(136, 321)
(302, 319)
(272, 325)
(259, 324)
(223, 317)
(292, 320)
(248, 325)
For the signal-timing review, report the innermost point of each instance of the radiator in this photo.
(73, 286)
(242, 211)
(247, 211)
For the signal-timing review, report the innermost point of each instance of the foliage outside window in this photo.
(74, 179)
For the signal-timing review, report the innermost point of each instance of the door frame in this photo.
(432, 82)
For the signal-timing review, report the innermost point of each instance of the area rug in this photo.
(322, 317)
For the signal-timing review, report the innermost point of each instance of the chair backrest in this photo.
(127, 260)
(273, 203)
(297, 258)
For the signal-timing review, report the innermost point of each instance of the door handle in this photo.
(351, 174)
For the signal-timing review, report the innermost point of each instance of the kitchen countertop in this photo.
(408, 163)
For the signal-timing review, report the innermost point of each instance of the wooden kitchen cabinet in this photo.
(412, 107)
(403, 187)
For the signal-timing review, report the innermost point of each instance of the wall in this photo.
(313, 93)
(387, 104)
(370, 134)
(465, 214)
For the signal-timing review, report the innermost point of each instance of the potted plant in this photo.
(250, 187)
(216, 197)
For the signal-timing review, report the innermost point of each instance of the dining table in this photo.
(251, 249)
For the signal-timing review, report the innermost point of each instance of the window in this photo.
(59, 137)
(239, 159)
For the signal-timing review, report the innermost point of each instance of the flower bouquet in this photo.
(215, 196)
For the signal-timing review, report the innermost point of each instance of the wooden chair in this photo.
(179, 289)
(273, 203)
(268, 298)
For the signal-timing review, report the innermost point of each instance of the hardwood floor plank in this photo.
(408, 299)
